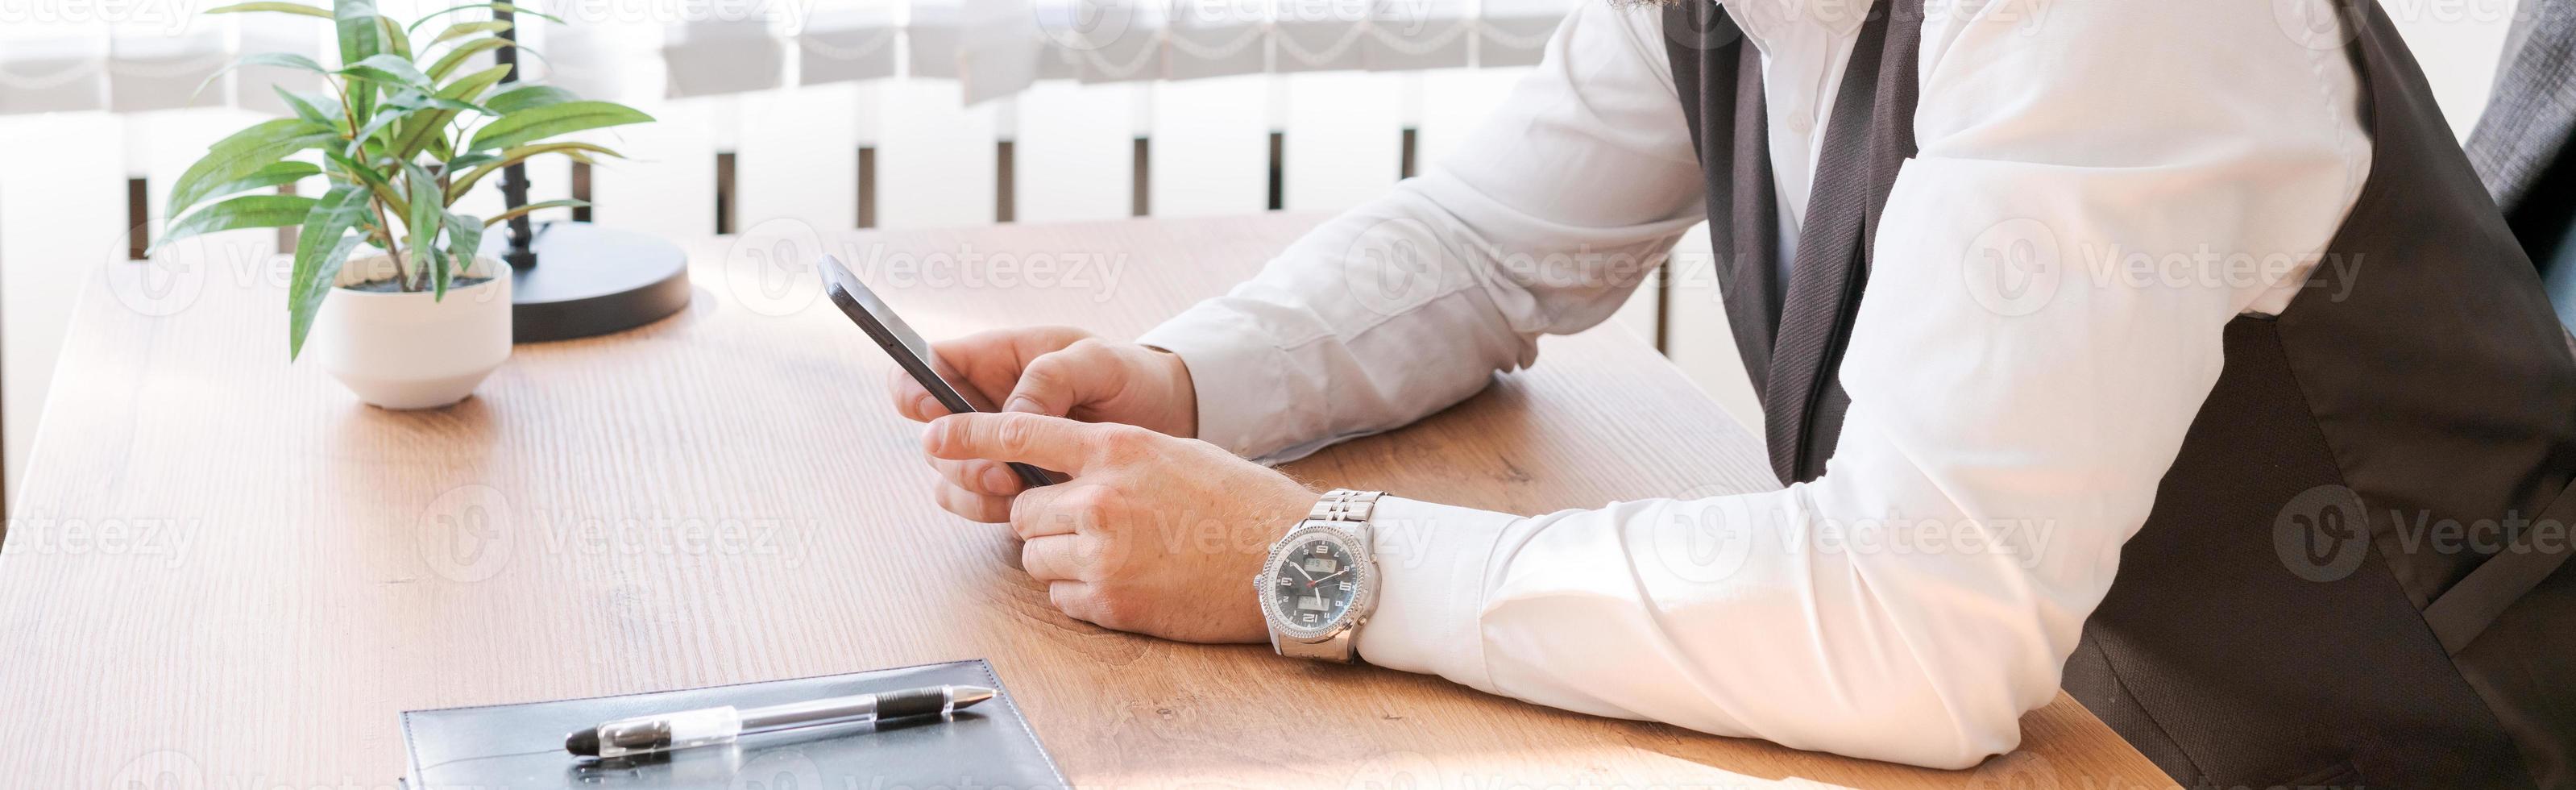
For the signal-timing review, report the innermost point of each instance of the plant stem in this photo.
(392, 248)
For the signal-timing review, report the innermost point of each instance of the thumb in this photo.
(1086, 372)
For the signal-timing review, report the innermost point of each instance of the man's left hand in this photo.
(1154, 534)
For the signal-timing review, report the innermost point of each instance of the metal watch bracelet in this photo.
(1347, 510)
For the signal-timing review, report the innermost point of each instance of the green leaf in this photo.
(469, 160)
(392, 34)
(533, 207)
(457, 185)
(526, 96)
(464, 240)
(471, 86)
(272, 175)
(455, 58)
(360, 37)
(414, 101)
(372, 179)
(319, 252)
(463, 29)
(280, 59)
(416, 133)
(438, 263)
(310, 108)
(424, 18)
(427, 213)
(242, 154)
(384, 117)
(290, 8)
(388, 69)
(249, 211)
(538, 123)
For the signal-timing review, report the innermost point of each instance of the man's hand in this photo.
(1154, 534)
(1056, 371)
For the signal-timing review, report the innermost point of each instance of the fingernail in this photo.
(1024, 403)
(930, 436)
(997, 480)
(928, 406)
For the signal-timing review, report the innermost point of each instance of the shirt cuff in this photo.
(1431, 563)
(1240, 376)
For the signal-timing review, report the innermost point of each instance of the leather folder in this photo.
(521, 746)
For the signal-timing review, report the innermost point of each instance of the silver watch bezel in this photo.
(1362, 603)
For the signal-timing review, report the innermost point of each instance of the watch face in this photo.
(1313, 584)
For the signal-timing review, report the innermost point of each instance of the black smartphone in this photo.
(909, 350)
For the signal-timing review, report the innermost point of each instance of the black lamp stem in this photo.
(514, 178)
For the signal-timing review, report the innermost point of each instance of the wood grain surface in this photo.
(225, 572)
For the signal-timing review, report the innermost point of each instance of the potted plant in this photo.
(418, 319)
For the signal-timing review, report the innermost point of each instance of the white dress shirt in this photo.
(2186, 160)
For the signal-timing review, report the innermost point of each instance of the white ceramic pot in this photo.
(403, 350)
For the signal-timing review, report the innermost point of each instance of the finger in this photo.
(1053, 558)
(970, 505)
(1050, 442)
(990, 478)
(1054, 510)
(910, 400)
(1089, 371)
(1075, 600)
(990, 362)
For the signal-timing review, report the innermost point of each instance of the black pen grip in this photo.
(912, 702)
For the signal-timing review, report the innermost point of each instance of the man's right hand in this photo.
(1051, 370)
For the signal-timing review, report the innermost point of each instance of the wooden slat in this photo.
(62, 216)
(1345, 134)
(1211, 139)
(935, 163)
(724, 496)
(797, 159)
(1075, 149)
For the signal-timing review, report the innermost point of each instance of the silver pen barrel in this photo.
(810, 713)
(711, 726)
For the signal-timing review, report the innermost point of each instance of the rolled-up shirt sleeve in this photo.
(2100, 189)
(1546, 218)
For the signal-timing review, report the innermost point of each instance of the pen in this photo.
(712, 726)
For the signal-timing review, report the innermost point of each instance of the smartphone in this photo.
(910, 351)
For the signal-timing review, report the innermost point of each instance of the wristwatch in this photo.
(1320, 582)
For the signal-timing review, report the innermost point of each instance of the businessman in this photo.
(2207, 286)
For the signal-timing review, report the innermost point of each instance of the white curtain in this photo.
(131, 57)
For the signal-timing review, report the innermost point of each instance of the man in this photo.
(2201, 290)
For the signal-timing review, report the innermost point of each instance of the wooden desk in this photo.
(225, 572)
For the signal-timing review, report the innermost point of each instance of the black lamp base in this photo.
(588, 280)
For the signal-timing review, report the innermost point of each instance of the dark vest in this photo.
(2273, 622)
